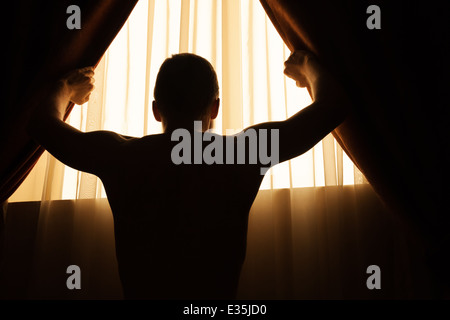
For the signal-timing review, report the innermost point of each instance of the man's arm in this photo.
(306, 128)
(89, 152)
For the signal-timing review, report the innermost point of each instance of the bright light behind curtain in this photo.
(248, 54)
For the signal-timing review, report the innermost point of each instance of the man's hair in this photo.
(185, 87)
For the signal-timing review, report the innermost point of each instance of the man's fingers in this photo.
(81, 73)
(87, 70)
(301, 84)
(291, 72)
(81, 76)
(89, 73)
(287, 71)
(86, 99)
(298, 57)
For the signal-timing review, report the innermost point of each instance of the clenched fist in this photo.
(302, 67)
(80, 83)
(305, 69)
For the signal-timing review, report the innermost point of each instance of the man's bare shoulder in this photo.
(147, 148)
(152, 139)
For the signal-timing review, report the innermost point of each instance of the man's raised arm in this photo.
(88, 152)
(307, 127)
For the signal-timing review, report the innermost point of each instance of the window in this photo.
(240, 41)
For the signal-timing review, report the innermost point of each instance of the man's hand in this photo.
(79, 83)
(305, 69)
(297, 67)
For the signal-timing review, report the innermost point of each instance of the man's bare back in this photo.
(180, 230)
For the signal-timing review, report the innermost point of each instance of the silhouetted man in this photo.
(180, 221)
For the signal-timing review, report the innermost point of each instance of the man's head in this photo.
(186, 89)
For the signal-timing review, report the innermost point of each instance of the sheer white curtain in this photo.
(312, 222)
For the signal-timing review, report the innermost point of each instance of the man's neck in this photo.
(192, 125)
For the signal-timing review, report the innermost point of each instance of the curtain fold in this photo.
(395, 78)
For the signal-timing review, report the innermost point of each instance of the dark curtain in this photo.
(397, 79)
(38, 49)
